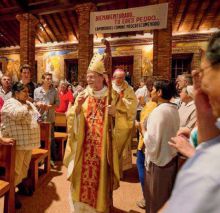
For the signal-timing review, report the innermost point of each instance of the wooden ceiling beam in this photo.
(179, 15)
(199, 15)
(71, 25)
(37, 37)
(176, 8)
(4, 39)
(67, 25)
(57, 26)
(105, 3)
(205, 13)
(9, 10)
(54, 9)
(64, 31)
(14, 31)
(198, 8)
(47, 29)
(7, 17)
(53, 27)
(23, 4)
(74, 22)
(40, 34)
(215, 16)
(41, 2)
(184, 14)
(8, 36)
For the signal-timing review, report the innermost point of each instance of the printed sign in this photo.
(132, 19)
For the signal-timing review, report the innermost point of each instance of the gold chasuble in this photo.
(87, 153)
(125, 102)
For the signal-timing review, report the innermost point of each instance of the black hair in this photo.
(174, 89)
(17, 87)
(25, 66)
(213, 50)
(166, 88)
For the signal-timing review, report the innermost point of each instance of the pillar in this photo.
(85, 47)
(27, 41)
(162, 46)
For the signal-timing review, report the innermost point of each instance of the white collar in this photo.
(117, 88)
(97, 94)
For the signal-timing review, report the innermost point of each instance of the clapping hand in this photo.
(182, 145)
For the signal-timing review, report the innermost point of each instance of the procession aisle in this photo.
(52, 197)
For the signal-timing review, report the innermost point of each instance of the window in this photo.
(181, 63)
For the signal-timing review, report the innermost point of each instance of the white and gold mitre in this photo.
(97, 64)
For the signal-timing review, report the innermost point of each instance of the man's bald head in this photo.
(119, 76)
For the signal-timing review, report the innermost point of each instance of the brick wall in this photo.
(27, 40)
(85, 47)
(162, 46)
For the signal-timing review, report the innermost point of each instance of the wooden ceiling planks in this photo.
(59, 22)
(60, 27)
(4, 39)
(205, 13)
(198, 5)
(40, 35)
(43, 28)
(74, 22)
(6, 34)
(176, 7)
(183, 15)
(216, 16)
(49, 28)
(13, 29)
(179, 15)
(69, 27)
(54, 27)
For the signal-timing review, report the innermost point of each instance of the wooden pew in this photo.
(7, 165)
(41, 156)
(60, 137)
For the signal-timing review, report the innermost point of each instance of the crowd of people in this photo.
(23, 106)
(177, 130)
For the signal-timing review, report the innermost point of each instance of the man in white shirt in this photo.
(5, 88)
(161, 159)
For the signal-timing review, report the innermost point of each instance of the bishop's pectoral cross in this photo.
(93, 117)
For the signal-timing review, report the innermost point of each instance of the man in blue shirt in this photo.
(46, 99)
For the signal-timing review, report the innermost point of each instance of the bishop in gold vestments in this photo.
(125, 102)
(88, 148)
